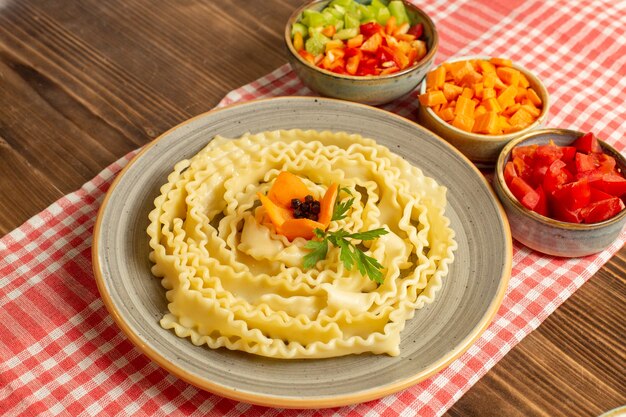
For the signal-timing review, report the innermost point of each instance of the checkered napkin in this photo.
(61, 353)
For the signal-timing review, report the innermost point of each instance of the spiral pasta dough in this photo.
(232, 281)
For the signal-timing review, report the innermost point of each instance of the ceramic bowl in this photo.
(372, 90)
(547, 235)
(481, 149)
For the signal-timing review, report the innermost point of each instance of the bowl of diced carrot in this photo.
(368, 52)
(479, 104)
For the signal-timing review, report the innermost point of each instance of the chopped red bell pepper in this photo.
(370, 28)
(416, 30)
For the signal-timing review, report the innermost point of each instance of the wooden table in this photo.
(83, 83)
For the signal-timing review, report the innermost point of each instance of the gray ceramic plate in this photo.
(436, 335)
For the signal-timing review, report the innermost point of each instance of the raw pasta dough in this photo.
(233, 282)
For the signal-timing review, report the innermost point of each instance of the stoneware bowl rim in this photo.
(491, 138)
(499, 176)
(426, 58)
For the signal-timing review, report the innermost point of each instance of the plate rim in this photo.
(294, 402)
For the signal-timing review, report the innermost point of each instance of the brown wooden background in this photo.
(84, 82)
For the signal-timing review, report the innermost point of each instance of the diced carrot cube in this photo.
(501, 62)
(463, 122)
(479, 110)
(460, 69)
(508, 75)
(489, 92)
(487, 123)
(532, 110)
(503, 121)
(478, 90)
(507, 97)
(534, 97)
(446, 114)
(432, 98)
(491, 104)
(486, 66)
(467, 92)
(489, 80)
(511, 109)
(471, 78)
(521, 118)
(523, 81)
(464, 107)
(451, 91)
(436, 78)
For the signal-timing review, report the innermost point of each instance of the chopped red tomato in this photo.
(509, 172)
(587, 143)
(576, 183)
(601, 210)
(542, 204)
(524, 193)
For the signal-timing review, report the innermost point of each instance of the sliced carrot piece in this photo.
(293, 228)
(286, 187)
(277, 214)
(327, 205)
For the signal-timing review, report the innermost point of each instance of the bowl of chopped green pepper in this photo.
(370, 53)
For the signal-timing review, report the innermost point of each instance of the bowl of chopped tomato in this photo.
(370, 53)
(481, 103)
(564, 191)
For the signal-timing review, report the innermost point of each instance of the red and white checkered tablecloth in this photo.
(61, 353)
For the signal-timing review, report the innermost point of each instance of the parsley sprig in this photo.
(342, 207)
(350, 254)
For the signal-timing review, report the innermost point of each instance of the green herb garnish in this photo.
(341, 208)
(350, 254)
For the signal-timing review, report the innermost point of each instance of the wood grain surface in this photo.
(84, 82)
